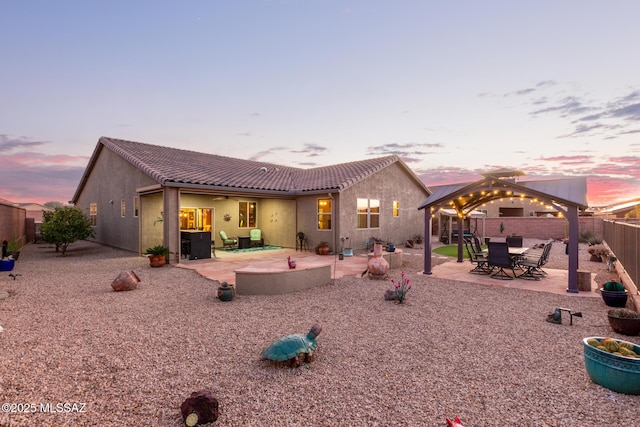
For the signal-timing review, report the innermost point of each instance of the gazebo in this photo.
(566, 195)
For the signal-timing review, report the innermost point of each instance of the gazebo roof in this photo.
(468, 196)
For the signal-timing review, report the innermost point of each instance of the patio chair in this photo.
(499, 258)
(478, 246)
(533, 262)
(226, 241)
(514, 241)
(478, 259)
(256, 237)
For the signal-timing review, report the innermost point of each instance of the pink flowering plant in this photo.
(401, 288)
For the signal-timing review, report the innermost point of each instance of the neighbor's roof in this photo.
(184, 168)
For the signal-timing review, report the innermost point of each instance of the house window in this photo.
(368, 213)
(247, 214)
(123, 208)
(324, 214)
(93, 214)
(396, 209)
(136, 206)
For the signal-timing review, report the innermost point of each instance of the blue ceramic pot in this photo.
(614, 298)
(7, 264)
(618, 373)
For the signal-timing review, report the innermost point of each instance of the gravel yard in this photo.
(483, 353)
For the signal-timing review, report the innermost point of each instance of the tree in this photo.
(54, 205)
(64, 226)
(635, 213)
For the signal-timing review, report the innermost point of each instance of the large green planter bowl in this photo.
(618, 373)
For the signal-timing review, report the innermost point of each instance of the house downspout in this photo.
(335, 223)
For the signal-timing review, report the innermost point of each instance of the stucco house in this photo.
(139, 195)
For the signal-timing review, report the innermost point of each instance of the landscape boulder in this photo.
(126, 281)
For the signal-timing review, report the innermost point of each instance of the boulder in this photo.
(126, 281)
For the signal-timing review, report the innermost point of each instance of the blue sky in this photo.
(455, 88)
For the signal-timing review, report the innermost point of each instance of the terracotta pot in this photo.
(157, 260)
(624, 325)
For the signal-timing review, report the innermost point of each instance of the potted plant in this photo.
(14, 246)
(157, 255)
(624, 321)
(322, 248)
(599, 253)
(614, 294)
(390, 246)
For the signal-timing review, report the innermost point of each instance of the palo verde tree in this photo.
(64, 226)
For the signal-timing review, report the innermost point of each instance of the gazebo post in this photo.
(460, 236)
(572, 216)
(427, 241)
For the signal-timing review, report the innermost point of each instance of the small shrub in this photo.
(590, 238)
(624, 313)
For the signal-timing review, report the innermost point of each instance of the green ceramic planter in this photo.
(617, 373)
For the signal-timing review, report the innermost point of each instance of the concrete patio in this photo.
(223, 268)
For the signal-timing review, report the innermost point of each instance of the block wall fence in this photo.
(535, 227)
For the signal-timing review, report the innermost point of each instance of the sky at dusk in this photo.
(455, 88)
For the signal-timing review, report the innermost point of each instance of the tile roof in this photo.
(178, 167)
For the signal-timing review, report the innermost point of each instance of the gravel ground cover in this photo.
(483, 353)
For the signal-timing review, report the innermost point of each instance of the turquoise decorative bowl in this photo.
(618, 373)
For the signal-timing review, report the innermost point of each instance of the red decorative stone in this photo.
(126, 281)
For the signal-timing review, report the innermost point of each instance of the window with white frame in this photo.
(247, 214)
(93, 214)
(368, 213)
(136, 206)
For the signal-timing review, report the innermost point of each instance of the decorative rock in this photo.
(390, 294)
(199, 408)
(126, 281)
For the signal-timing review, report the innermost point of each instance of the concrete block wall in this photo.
(539, 227)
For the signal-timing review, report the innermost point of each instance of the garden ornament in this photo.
(556, 316)
(456, 422)
(14, 275)
(199, 408)
(291, 262)
(294, 348)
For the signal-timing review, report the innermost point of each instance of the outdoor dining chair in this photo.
(499, 258)
(479, 259)
(532, 264)
(514, 241)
